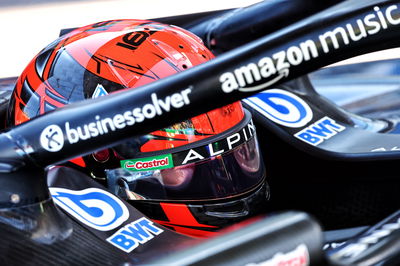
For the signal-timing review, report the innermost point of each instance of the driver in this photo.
(196, 176)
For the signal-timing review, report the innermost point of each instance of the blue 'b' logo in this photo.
(282, 107)
(94, 207)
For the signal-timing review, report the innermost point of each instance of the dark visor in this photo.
(230, 173)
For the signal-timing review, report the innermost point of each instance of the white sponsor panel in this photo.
(94, 207)
(282, 107)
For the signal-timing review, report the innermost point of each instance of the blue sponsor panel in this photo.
(99, 91)
(320, 131)
(130, 236)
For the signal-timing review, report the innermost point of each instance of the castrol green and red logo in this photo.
(149, 163)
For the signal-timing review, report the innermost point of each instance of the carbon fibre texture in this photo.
(80, 248)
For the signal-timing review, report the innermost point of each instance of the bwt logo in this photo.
(131, 235)
(287, 109)
(282, 107)
(320, 131)
(94, 207)
(52, 138)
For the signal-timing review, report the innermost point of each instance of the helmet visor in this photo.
(228, 173)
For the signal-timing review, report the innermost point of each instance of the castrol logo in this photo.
(149, 163)
(146, 165)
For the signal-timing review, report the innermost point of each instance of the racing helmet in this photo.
(195, 176)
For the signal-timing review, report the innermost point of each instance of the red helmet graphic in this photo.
(195, 176)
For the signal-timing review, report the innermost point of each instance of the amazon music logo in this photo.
(275, 67)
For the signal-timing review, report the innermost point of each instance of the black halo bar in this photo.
(327, 37)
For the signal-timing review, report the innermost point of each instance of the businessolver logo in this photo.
(52, 138)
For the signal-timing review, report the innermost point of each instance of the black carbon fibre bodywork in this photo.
(42, 234)
(62, 242)
(38, 233)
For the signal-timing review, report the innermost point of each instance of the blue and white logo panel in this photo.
(94, 207)
(134, 234)
(320, 131)
(99, 91)
(282, 107)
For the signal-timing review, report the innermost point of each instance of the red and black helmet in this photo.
(195, 176)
